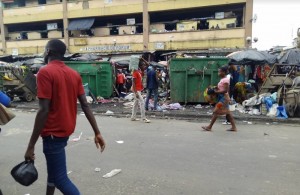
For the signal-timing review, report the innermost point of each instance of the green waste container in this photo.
(190, 77)
(98, 75)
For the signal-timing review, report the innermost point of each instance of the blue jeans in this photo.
(54, 150)
(155, 94)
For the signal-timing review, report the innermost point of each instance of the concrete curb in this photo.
(188, 116)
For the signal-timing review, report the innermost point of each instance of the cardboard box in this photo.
(34, 35)
(104, 31)
(157, 28)
(123, 30)
(54, 34)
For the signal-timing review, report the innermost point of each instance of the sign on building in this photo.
(15, 52)
(131, 21)
(159, 46)
(52, 26)
(104, 48)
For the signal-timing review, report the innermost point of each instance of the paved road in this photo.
(166, 157)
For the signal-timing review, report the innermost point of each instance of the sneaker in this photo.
(135, 119)
(226, 123)
(146, 120)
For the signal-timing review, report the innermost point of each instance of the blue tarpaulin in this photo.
(81, 24)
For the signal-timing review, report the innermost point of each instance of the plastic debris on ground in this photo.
(120, 142)
(112, 173)
(104, 101)
(97, 169)
(199, 106)
(82, 114)
(89, 99)
(109, 113)
(129, 97)
(77, 138)
(69, 172)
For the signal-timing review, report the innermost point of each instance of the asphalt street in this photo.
(165, 157)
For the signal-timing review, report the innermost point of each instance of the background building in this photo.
(119, 26)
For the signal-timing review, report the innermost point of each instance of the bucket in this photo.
(4, 99)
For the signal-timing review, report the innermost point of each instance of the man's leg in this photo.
(147, 99)
(142, 105)
(155, 94)
(54, 150)
(134, 108)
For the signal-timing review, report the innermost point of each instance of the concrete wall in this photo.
(94, 8)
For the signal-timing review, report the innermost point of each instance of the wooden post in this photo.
(145, 26)
(248, 19)
(66, 22)
(3, 30)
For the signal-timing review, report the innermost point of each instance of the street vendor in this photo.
(222, 107)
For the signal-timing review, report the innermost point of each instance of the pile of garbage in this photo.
(264, 104)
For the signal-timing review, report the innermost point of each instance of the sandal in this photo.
(206, 129)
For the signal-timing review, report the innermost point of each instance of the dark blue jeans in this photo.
(54, 150)
(155, 94)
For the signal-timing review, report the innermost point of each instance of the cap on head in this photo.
(56, 47)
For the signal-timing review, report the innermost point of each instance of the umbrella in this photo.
(291, 56)
(34, 61)
(249, 57)
(36, 65)
(157, 65)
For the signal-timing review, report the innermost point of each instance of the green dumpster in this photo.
(189, 77)
(98, 75)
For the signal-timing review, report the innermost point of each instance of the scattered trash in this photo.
(77, 138)
(245, 121)
(112, 173)
(250, 123)
(120, 142)
(82, 114)
(69, 172)
(97, 169)
(129, 97)
(109, 112)
(89, 99)
(199, 106)
(265, 134)
(32, 110)
(267, 123)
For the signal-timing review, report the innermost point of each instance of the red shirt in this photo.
(138, 80)
(120, 78)
(61, 85)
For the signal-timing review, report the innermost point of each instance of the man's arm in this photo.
(99, 141)
(40, 121)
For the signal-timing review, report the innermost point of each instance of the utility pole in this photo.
(145, 26)
(66, 22)
(3, 29)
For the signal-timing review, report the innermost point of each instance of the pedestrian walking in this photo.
(137, 88)
(222, 107)
(121, 79)
(58, 88)
(152, 87)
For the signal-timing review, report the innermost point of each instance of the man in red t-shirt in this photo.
(137, 87)
(121, 79)
(59, 87)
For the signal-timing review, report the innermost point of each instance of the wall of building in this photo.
(204, 39)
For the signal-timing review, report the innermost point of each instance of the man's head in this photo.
(55, 50)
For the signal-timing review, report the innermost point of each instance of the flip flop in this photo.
(206, 129)
(232, 130)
